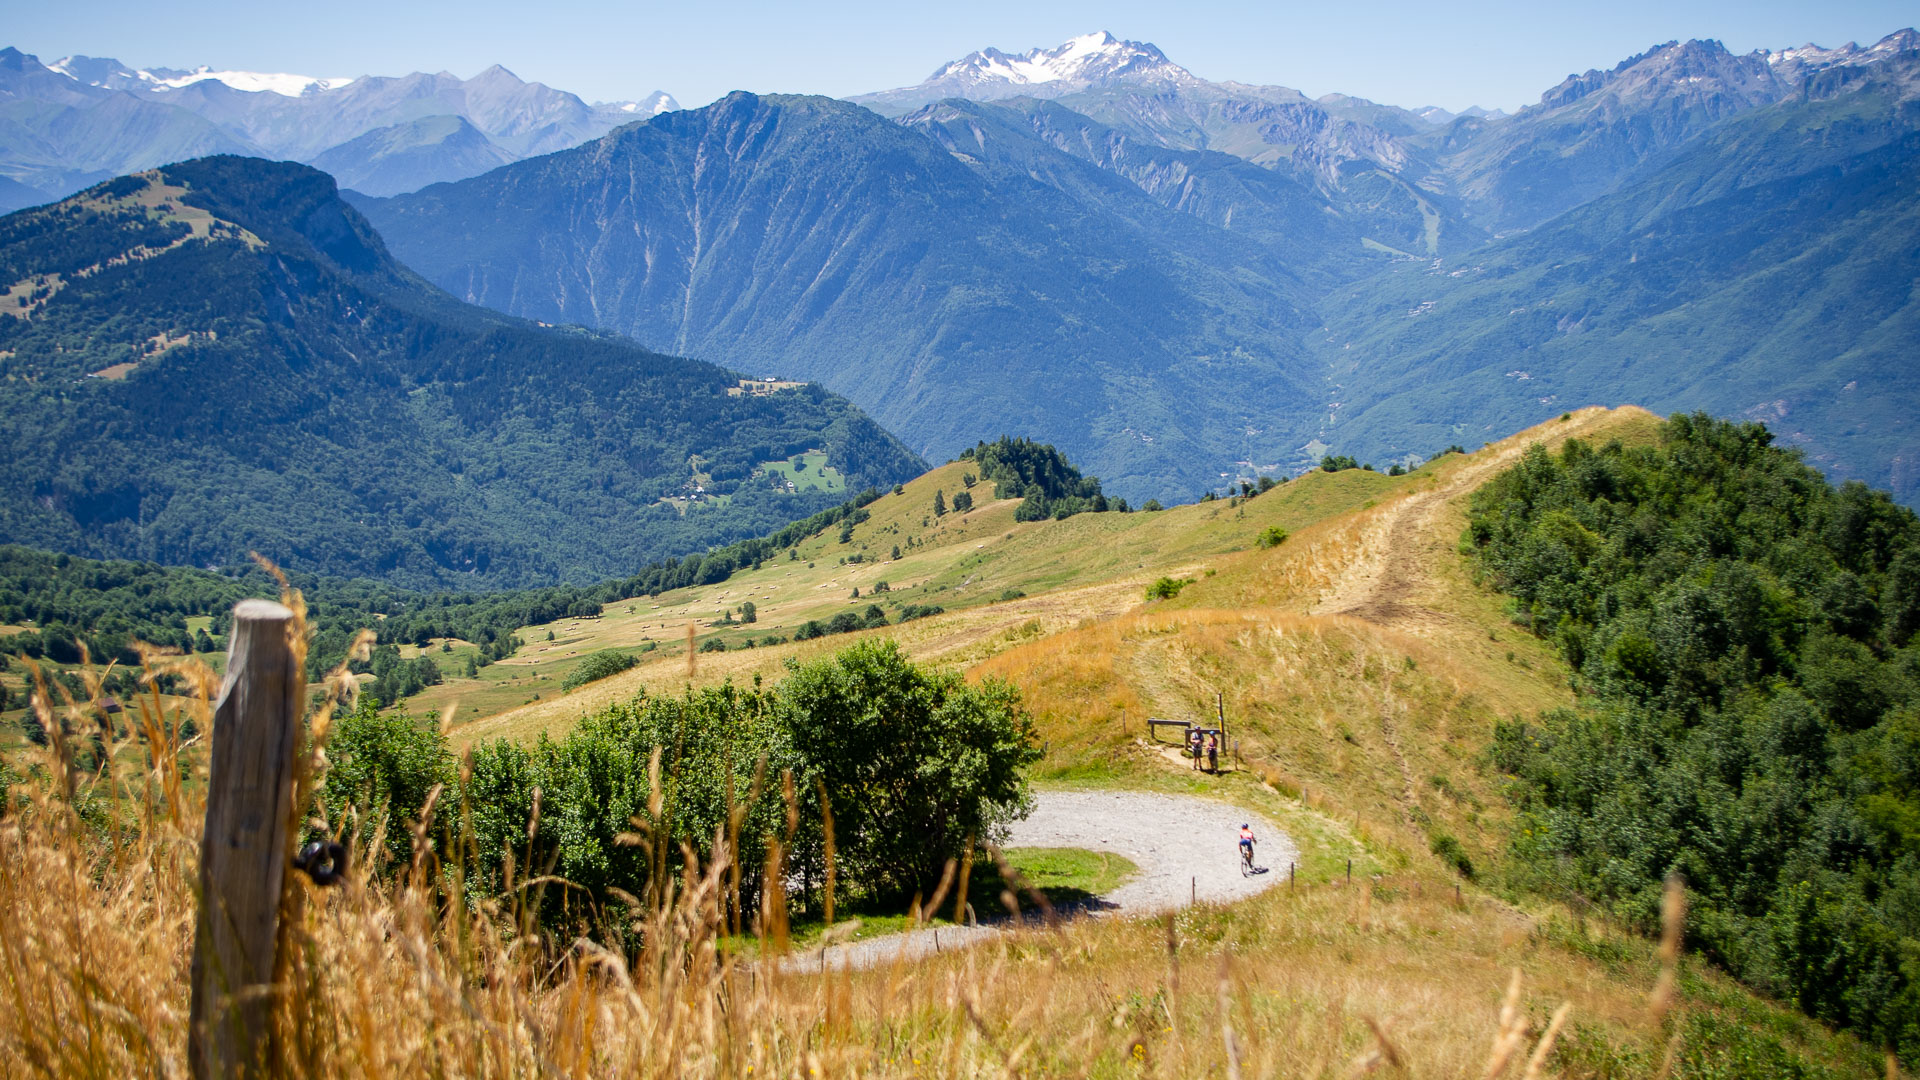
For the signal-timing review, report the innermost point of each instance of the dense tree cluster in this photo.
(1039, 475)
(1744, 636)
(108, 605)
(913, 764)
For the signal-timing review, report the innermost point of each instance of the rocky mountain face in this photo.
(960, 284)
(58, 135)
(220, 356)
(1594, 132)
(83, 119)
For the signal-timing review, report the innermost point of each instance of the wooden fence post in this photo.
(243, 850)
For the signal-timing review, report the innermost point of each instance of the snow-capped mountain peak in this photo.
(652, 105)
(112, 75)
(1797, 63)
(255, 82)
(1084, 62)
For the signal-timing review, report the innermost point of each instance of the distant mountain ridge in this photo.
(1183, 283)
(1496, 172)
(80, 120)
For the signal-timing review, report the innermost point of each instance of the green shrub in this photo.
(381, 766)
(597, 666)
(1448, 848)
(1167, 588)
(1271, 537)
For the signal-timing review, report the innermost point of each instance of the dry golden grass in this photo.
(1095, 564)
(392, 974)
(1346, 718)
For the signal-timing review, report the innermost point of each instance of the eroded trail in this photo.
(1391, 579)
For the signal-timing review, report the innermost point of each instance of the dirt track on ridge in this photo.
(1393, 572)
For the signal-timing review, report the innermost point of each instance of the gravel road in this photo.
(1185, 847)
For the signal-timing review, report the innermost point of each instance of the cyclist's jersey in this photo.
(1246, 837)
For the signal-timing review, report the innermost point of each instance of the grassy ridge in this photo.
(1405, 963)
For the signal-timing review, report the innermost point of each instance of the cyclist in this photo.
(1246, 843)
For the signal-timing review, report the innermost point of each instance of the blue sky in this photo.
(1494, 54)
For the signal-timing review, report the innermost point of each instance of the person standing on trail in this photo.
(1193, 746)
(1213, 754)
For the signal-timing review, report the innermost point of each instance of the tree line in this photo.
(911, 767)
(1742, 634)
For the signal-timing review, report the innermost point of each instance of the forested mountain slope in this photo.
(1766, 271)
(220, 357)
(952, 296)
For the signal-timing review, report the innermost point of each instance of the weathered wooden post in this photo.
(243, 850)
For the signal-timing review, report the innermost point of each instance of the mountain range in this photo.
(1185, 282)
(81, 120)
(221, 357)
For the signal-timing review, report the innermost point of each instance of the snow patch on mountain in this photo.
(114, 75)
(1090, 60)
(1797, 63)
(652, 105)
(255, 82)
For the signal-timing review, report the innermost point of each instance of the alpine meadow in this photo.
(1067, 567)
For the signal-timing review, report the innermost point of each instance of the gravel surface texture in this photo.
(1186, 849)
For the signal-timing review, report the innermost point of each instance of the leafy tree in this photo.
(1337, 463)
(749, 613)
(939, 503)
(915, 763)
(1151, 505)
(595, 782)
(962, 502)
(382, 767)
